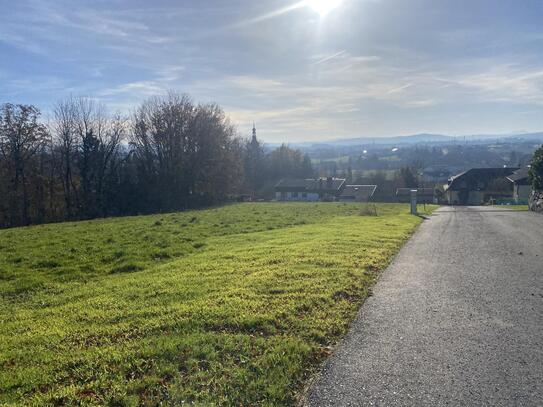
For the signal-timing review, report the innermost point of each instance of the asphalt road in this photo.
(457, 319)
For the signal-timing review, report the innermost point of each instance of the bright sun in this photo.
(323, 7)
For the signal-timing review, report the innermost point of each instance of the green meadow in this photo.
(237, 305)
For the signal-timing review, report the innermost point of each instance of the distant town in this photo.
(471, 170)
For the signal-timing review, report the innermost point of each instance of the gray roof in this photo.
(520, 176)
(358, 192)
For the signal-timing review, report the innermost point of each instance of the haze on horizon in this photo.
(366, 68)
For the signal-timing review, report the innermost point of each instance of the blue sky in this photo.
(367, 68)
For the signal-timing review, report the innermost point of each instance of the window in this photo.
(295, 194)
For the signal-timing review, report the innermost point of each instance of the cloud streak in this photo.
(370, 68)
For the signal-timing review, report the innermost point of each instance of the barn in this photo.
(478, 186)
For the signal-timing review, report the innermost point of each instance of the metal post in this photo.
(414, 202)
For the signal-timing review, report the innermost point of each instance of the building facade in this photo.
(309, 190)
(522, 187)
(479, 186)
(357, 193)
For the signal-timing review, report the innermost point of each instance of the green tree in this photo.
(287, 162)
(408, 178)
(536, 170)
(22, 137)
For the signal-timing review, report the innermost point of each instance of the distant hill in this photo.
(525, 136)
(415, 138)
(421, 138)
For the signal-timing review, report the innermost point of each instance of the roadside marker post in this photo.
(414, 202)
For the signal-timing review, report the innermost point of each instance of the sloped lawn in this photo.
(229, 306)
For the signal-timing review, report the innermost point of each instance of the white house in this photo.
(309, 190)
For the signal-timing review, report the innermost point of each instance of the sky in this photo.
(367, 68)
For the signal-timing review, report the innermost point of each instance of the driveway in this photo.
(457, 319)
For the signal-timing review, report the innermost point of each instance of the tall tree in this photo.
(407, 177)
(99, 138)
(21, 138)
(288, 162)
(88, 148)
(187, 155)
(64, 127)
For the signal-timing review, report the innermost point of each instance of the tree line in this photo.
(171, 154)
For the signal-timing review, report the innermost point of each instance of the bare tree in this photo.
(185, 152)
(89, 141)
(64, 126)
(110, 140)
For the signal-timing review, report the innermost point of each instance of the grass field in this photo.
(230, 306)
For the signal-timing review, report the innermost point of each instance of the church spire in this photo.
(254, 133)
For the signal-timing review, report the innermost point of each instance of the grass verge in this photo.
(514, 207)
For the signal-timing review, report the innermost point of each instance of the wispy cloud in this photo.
(139, 89)
(507, 83)
(371, 67)
(10, 37)
(269, 15)
(329, 57)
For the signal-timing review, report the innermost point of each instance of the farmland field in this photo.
(237, 305)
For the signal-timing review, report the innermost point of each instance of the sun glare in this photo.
(323, 7)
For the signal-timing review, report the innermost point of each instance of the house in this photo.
(479, 185)
(424, 195)
(309, 189)
(522, 187)
(357, 193)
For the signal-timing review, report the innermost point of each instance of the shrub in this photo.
(368, 210)
(47, 264)
(126, 268)
(536, 170)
